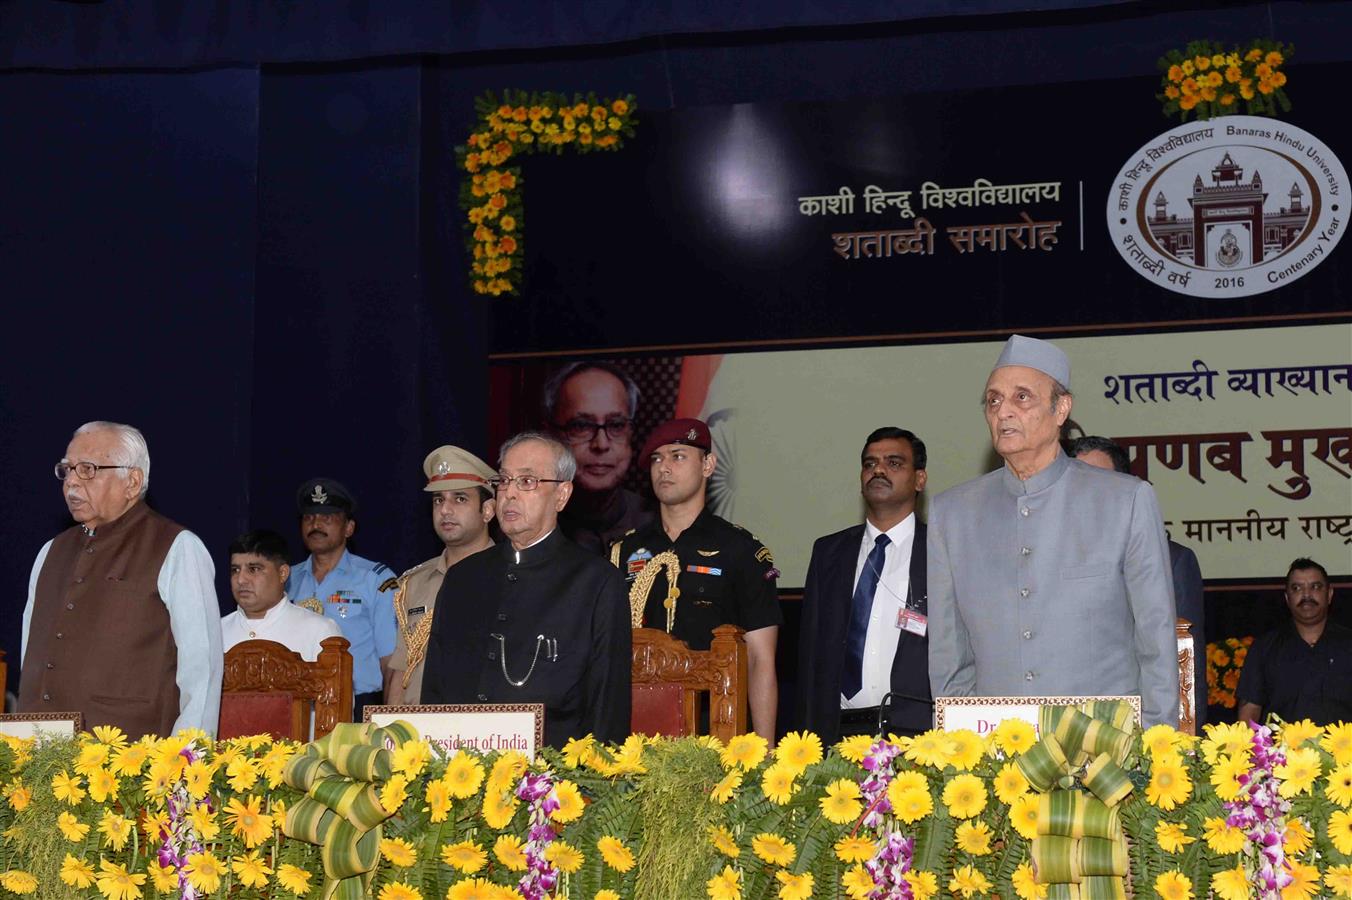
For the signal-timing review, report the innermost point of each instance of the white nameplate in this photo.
(30, 725)
(470, 726)
(983, 714)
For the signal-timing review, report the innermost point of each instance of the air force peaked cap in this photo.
(1046, 357)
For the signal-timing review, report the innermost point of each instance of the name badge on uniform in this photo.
(913, 621)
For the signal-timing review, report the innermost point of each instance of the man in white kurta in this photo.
(258, 572)
(1049, 577)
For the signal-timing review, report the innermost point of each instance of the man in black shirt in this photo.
(1303, 670)
(722, 574)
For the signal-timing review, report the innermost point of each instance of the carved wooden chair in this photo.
(668, 678)
(1187, 712)
(258, 672)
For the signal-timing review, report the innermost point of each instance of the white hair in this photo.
(135, 454)
(565, 464)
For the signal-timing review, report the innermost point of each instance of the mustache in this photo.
(316, 531)
(883, 478)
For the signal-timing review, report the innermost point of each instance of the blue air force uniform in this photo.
(358, 595)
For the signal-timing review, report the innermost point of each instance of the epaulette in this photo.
(414, 569)
(389, 584)
(379, 567)
(627, 533)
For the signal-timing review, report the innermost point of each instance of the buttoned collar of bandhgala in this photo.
(536, 554)
(1034, 484)
(268, 619)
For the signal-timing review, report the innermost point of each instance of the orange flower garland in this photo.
(519, 123)
(1204, 80)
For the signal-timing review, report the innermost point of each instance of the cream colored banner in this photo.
(1245, 434)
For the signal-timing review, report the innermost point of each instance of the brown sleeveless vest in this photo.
(99, 640)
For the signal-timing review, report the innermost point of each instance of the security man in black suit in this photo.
(864, 626)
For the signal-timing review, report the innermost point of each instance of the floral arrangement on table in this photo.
(1205, 80)
(519, 123)
(1241, 812)
(1224, 661)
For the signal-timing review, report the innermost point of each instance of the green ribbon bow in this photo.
(341, 775)
(1080, 849)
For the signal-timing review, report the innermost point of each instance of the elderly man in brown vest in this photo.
(122, 622)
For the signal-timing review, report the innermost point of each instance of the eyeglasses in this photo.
(581, 431)
(524, 482)
(86, 470)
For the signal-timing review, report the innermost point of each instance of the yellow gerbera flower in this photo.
(90, 757)
(410, 758)
(1225, 775)
(164, 878)
(1338, 786)
(1298, 774)
(1297, 838)
(1294, 734)
(1161, 739)
(499, 807)
(67, 788)
(1025, 884)
(393, 794)
(1170, 784)
(72, 828)
(397, 890)
(1173, 836)
(570, 801)
(204, 871)
(1304, 881)
(577, 750)
(1010, 784)
(466, 856)
(924, 885)
(777, 783)
(726, 885)
(1337, 878)
(606, 894)
(858, 883)
(1340, 830)
(1173, 885)
(1023, 815)
(773, 849)
(1014, 736)
(1226, 738)
(615, 853)
(855, 747)
(968, 881)
(252, 871)
(724, 842)
(965, 796)
(76, 872)
(247, 820)
(111, 735)
(729, 783)
(399, 852)
(242, 774)
(1232, 884)
(116, 830)
(294, 879)
(438, 800)
(799, 749)
(1222, 839)
(911, 805)
(463, 775)
(930, 748)
(507, 848)
(841, 801)
(204, 823)
(474, 889)
(1338, 741)
(965, 749)
(794, 887)
(564, 856)
(18, 881)
(18, 796)
(855, 849)
(116, 883)
(973, 838)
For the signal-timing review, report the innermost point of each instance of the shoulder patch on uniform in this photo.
(414, 569)
(389, 584)
(380, 567)
(629, 532)
(764, 555)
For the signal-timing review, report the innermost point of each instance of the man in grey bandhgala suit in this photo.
(1048, 576)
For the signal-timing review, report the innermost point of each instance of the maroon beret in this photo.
(691, 432)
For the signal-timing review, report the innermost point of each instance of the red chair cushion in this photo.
(657, 710)
(246, 713)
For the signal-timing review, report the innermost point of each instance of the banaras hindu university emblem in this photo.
(1228, 207)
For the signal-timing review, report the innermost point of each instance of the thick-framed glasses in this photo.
(85, 470)
(524, 482)
(581, 431)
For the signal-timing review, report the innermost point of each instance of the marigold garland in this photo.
(1205, 80)
(522, 123)
(1224, 662)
